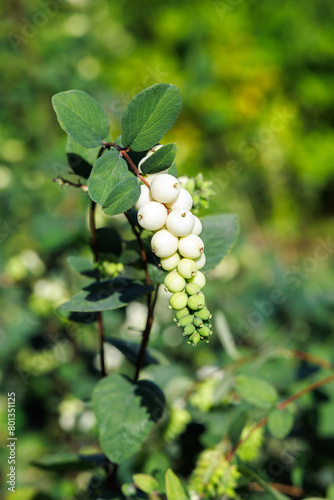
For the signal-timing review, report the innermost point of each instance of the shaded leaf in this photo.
(219, 235)
(89, 155)
(106, 295)
(122, 197)
(108, 171)
(280, 423)
(236, 426)
(79, 165)
(173, 169)
(162, 159)
(256, 391)
(81, 117)
(126, 413)
(174, 488)
(149, 115)
(109, 241)
(63, 462)
(131, 351)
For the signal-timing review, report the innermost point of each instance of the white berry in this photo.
(183, 202)
(197, 229)
(164, 244)
(165, 188)
(174, 282)
(200, 262)
(187, 268)
(199, 279)
(170, 263)
(191, 246)
(180, 222)
(145, 197)
(152, 216)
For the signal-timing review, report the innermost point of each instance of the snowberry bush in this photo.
(175, 245)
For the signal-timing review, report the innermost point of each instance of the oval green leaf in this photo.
(149, 115)
(146, 483)
(122, 197)
(160, 160)
(125, 413)
(174, 488)
(280, 423)
(107, 172)
(81, 117)
(256, 391)
(219, 235)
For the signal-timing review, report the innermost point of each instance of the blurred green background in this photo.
(257, 85)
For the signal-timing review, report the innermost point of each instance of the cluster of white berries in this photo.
(165, 209)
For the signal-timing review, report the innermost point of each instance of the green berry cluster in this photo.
(191, 314)
(200, 190)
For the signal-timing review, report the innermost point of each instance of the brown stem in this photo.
(281, 406)
(123, 152)
(99, 313)
(146, 333)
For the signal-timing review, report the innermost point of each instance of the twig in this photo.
(123, 152)
(65, 182)
(280, 406)
(146, 332)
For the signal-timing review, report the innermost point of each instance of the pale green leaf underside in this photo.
(160, 160)
(219, 235)
(107, 172)
(256, 391)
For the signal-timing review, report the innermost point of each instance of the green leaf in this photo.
(174, 488)
(246, 471)
(106, 295)
(219, 235)
(160, 160)
(157, 274)
(83, 266)
(256, 391)
(81, 117)
(146, 483)
(149, 115)
(280, 423)
(122, 197)
(64, 462)
(108, 171)
(173, 169)
(131, 351)
(125, 413)
(236, 426)
(80, 159)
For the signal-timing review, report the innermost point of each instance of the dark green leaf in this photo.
(122, 197)
(106, 295)
(131, 351)
(173, 169)
(219, 235)
(160, 160)
(79, 165)
(89, 155)
(108, 171)
(236, 426)
(83, 266)
(174, 488)
(125, 413)
(157, 274)
(256, 391)
(63, 462)
(280, 423)
(149, 115)
(81, 117)
(109, 241)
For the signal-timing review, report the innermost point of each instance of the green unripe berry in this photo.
(170, 263)
(189, 329)
(198, 322)
(194, 338)
(185, 320)
(192, 289)
(178, 301)
(174, 282)
(195, 302)
(203, 314)
(199, 279)
(182, 312)
(204, 331)
(187, 268)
